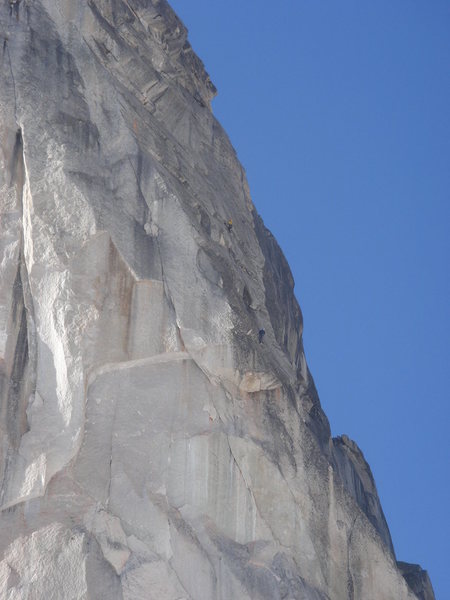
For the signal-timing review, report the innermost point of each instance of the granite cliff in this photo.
(151, 447)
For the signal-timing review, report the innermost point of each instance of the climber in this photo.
(14, 4)
(261, 334)
(229, 225)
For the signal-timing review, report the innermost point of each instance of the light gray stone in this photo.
(150, 446)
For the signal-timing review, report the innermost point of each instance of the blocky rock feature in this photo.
(418, 580)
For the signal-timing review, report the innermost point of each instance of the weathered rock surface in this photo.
(151, 447)
(418, 580)
(355, 473)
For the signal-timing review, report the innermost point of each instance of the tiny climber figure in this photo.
(14, 4)
(229, 224)
(261, 334)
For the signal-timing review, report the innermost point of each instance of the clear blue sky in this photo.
(340, 114)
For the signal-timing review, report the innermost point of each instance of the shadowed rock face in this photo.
(355, 474)
(151, 446)
(418, 580)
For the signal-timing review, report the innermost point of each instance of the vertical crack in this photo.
(350, 583)
(17, 166)
(19, 378)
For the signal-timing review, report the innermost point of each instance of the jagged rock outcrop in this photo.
(418, 580)
(151, 447)
(355, 474)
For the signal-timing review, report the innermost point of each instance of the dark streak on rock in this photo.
(16, 168)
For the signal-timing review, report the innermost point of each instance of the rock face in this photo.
(151, 447)
(417, 579)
